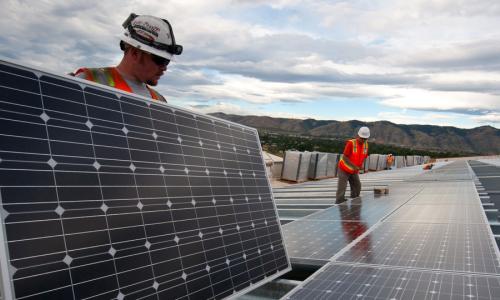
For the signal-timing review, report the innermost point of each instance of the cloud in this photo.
(442, 101)
(426, 56)
(427, 118)
(480, 55)
(489, 118)
(232, 108)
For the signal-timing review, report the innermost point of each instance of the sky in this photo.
(409, 62)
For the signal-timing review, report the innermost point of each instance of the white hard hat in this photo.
(151, 34)
(364, 132)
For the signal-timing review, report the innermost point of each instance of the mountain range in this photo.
(484, 140)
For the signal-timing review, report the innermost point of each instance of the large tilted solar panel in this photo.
(105, 195)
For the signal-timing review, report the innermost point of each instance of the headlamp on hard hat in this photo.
(172, 49)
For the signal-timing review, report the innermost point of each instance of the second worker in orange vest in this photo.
(389, 161)
(355, 152)
(148, 44)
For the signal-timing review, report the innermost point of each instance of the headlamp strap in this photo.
(129, 20)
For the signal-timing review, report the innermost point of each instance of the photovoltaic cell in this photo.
(318, 237)
(455, 193)
(453, 247)
(105, 195)
(450, 173)
(312, 240)
(366, 209)
(338, 281)
(439, 214)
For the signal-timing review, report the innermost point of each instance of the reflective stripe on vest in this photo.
(347, 163)
(355, 146)
(116, 80)
(111, 77)
(154, 94)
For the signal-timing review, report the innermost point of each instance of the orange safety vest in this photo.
(353, 162)
(111, 77)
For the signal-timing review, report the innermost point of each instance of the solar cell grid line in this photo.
(340, 281)
(59, 210)
(148, 259)
(201, 236)
(324, 234)
(451, 247)
(210, 283)
(120, 195)
(61, 127)
(368, 208)
(462, 214)
(316, 240)
(76, 209)
(231, 197)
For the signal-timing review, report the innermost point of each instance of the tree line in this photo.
(277, 144)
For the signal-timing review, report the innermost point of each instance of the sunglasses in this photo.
(160, 61)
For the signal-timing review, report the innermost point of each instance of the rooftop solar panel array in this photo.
(339, 281)
(488, 185)
(316, 238)
(435, 245)
(299, 200)
(108, 195)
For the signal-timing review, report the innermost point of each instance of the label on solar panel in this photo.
(108, 195)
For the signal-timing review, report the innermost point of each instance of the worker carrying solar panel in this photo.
(148, 45)
(355, 153)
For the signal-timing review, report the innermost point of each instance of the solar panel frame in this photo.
(138, 102)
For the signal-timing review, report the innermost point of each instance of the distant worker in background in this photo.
(428, 166)
(390, 161)
(148, 45)
(355, 152)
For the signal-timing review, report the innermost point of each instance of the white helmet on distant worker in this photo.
(151, 34)
(364, 132)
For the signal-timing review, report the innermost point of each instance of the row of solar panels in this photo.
(299, 200)
(301, 166)
(488, 176)
(427, 239)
